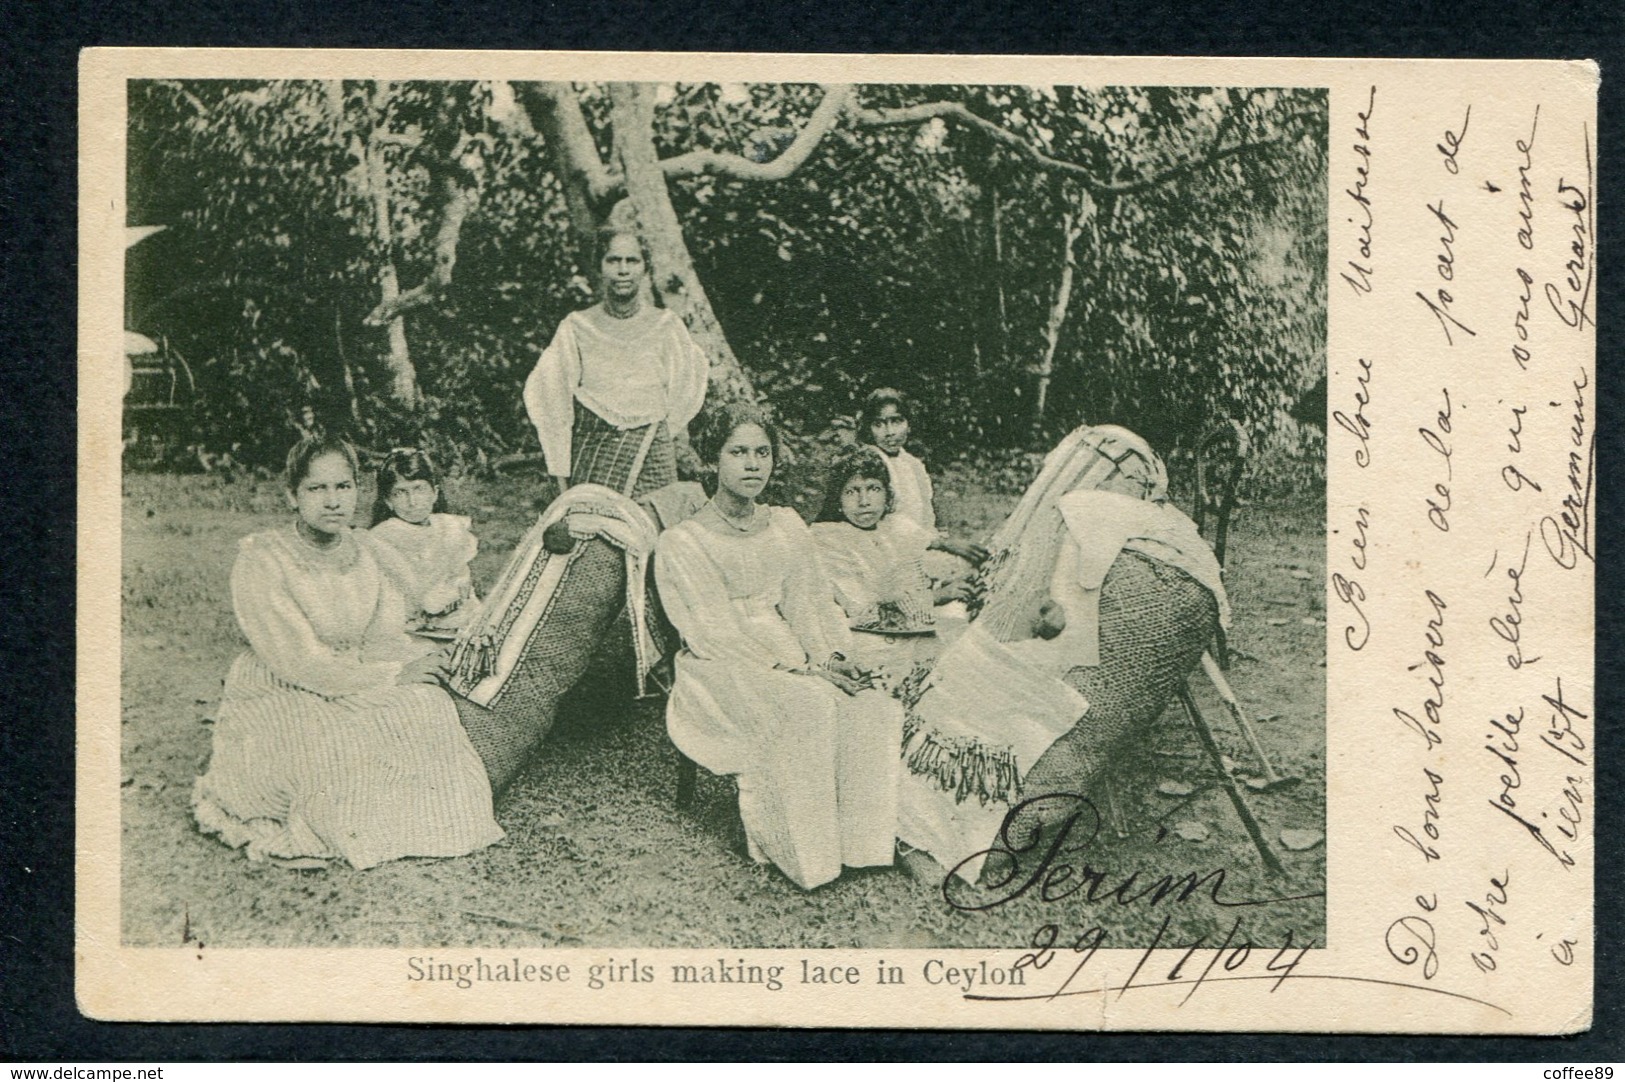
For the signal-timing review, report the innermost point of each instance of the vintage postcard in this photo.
(985, 542)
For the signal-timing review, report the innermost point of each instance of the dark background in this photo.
(38, 1019)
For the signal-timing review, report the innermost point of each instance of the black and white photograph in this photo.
(641, 515)
(957, 542)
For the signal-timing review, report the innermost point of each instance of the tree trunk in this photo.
(404, 377)
(1002, 353)
(672, 274)
(567, 139)
(374, 186)
(1071, 227)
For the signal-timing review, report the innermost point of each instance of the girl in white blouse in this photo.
(763, 690)
(409, 516)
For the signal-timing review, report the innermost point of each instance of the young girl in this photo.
(408, 517)
(884, 423)
(875, 559)
(875, 556)
(764, 689)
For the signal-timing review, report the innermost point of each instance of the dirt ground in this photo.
(597, 854)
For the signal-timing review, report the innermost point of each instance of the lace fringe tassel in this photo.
(473, 659)
(961, 765)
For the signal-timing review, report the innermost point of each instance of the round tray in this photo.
(902, 632)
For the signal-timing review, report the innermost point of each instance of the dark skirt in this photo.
(601, 454)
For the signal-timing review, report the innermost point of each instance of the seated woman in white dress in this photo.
(333, 738)
(1098, 600)
(876, 561)
(763, 690)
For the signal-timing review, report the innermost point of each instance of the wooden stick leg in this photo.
(687, 773)
(1205, 735)
(1114, 808)
(1222, 686)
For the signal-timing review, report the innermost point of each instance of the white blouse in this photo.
(631, 372)
(911, 489)
(331, 621)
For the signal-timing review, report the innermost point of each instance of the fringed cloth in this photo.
(1015, 580)
(486, 655)
(631, 461)
(999, 698)
(986, 714)
(1155, 621)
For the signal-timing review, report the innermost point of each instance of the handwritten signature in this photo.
(1567, 535)
(1573, 308)
(1040, 849)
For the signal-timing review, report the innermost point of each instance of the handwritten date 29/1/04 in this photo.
(1235, 958)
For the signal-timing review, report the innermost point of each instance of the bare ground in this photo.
(597, 854)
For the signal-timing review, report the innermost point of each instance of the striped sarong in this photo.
(631, 461)
(543, 621)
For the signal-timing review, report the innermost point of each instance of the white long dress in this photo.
(317, 751)
(817, 769)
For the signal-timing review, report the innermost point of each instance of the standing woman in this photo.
(763, 688)
(333, 737)
(618, 385)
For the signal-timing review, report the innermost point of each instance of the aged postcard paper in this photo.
(1043, 543)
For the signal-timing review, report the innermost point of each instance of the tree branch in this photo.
(461, 199)
(460, 192)
(192, 99)
(823, 119)
(564, 125)
(953, 110)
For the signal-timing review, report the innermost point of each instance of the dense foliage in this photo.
(926, 255)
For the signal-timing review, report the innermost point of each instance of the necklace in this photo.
(300, 531)
(750, 520)
(623, 311)
(312, 558)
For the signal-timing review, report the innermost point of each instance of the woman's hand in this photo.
(1051, 620)
(429, 669)
(952, 590)
(557, 539)
(844, 675)
(844, 683)
(968, 551)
